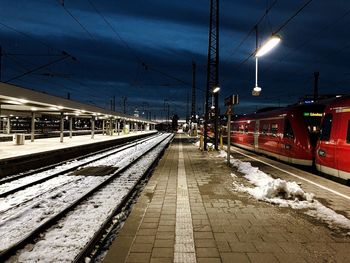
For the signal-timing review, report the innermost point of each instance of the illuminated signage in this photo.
(312, 114)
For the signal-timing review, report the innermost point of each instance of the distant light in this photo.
(12, 102)
(268, 46)
(53, 108)
(308, 101)
(256, 91)
(23, 100)
(212, 107)
(216, 89)
(338, 96)
(33, 109)
(60, 107)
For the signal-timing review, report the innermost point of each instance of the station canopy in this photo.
(15, 100)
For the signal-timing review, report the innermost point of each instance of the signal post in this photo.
(229, 102)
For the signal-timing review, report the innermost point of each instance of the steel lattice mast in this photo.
(193, 108)
(212, 67)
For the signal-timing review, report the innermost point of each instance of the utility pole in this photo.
(212, 69)
(187, 106)
(124, 104)
(168, 119)
(193, 109)
(0, 63)
(316, 76)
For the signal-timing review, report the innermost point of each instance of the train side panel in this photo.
(270, 137)
(333, 148)
(288, 134)
(343, 146)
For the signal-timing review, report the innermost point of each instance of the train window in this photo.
(288, 131)
(348, 133)
(246, 128)
(274, 128)
(265, 128)
(326, 127)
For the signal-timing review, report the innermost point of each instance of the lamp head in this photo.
(216, 89)
(256, 91)
(268, 45)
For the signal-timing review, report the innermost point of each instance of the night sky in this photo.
(167, 36)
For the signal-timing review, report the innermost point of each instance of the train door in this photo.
(256, 135)
(342, 150)
(326, 149)
(287, 143)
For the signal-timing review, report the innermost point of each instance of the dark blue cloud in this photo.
(167, 35)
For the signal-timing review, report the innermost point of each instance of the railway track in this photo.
(19, 182)
(35, 216)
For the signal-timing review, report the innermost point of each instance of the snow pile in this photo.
(269, 189)
(284, 194)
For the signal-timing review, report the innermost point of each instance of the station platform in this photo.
(51, 150)
(190, 212)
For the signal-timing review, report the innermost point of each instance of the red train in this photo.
(333, 147)
(307, 134)
(288, 134)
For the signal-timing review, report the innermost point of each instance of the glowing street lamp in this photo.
(270, 44)
(216, 89)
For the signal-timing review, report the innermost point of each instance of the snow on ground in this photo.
(27, 209)
(64, 241)
(60, 168)
(283, 193)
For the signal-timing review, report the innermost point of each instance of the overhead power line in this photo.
(293, 16)
(77, 21)
(40, 67)
(279, 29)
(139, 59)
(306, 42)
(253, 28)
(31, 37)
(115, 32)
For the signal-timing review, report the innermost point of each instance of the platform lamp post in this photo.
(215, 91)
(270, 44)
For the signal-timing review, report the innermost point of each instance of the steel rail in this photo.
(99, 236)
(73, 168)
(10, 178)
(6, 253)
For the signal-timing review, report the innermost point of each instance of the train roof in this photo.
(341, 101)
(275, 111)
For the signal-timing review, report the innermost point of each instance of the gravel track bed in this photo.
(20, 221)
(64, 241)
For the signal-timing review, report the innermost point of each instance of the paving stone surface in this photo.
(227, 226)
